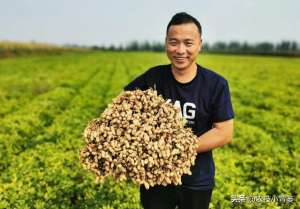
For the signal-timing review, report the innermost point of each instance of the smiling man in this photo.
(204, 100)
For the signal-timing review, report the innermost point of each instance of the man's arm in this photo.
(219, 135)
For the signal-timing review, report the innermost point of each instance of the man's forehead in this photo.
(188, 30)
(183, 36)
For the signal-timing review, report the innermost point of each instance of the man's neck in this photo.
(185, 75)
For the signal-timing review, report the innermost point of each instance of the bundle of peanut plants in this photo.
(140, 137)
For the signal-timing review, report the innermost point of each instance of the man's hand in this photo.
(219, 135)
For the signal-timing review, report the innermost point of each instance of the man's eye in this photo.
(173, 43)
(189, 44)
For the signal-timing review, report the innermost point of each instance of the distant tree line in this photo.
(134, 46)
(284, 47)
(263, 48)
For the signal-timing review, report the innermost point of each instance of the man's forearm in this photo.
(218, 136)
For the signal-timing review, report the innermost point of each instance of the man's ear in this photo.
(201, 44)
(165, 44)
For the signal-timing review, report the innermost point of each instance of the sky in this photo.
(98, 22)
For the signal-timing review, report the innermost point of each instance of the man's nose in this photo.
(180, 48)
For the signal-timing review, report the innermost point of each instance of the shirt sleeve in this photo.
(221, 103)
(137, 83)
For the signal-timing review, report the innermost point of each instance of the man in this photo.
(204, 99)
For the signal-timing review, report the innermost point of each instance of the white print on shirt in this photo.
(188, 111)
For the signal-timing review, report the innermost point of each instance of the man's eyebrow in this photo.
(185, 40)
(172, 39)
(189, 39)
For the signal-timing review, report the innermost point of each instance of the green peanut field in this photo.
(46, 102)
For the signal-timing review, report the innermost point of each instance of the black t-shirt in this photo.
(203, 101)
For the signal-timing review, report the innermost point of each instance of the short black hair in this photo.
(182, 18)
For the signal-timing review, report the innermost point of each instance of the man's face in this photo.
(183, 43)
